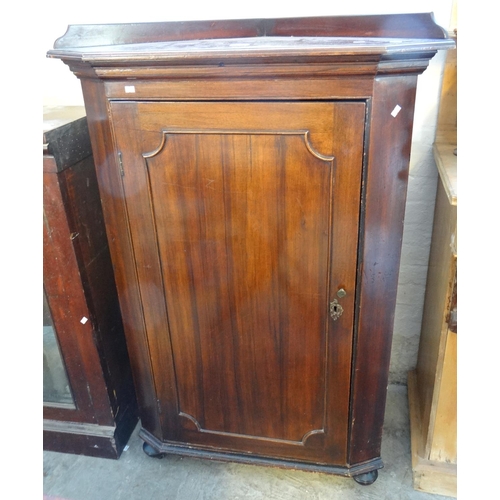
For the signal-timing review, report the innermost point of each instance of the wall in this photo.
(61, 87)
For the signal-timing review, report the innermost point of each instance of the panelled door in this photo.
(243, 219)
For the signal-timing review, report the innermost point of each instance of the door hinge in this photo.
(120, 164)
(158, 405)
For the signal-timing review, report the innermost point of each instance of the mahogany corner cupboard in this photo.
(253, 179)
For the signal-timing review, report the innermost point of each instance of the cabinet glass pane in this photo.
(55, 380)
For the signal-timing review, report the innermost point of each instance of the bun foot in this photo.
(367, 478)
(152, 452)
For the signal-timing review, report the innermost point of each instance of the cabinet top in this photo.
(65, 136)
(385, 36)
(55, 117)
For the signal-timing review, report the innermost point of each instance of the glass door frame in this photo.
(67, 301)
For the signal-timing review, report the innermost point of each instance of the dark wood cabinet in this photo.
(253, 177)
(90, 406)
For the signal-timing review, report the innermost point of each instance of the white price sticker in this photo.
(396, 110)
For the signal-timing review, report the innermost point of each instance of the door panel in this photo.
(244, 223)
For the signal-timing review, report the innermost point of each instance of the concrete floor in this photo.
(137, 477)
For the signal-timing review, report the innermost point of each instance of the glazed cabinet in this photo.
(253, 177)
(89, 401)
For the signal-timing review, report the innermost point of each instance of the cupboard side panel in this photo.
(381, 237)
(117, 230)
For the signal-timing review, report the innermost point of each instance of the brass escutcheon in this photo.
(336, 310)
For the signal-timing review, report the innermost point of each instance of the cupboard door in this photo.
(244, 220)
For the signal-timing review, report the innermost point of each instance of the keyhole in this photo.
(336, 310)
